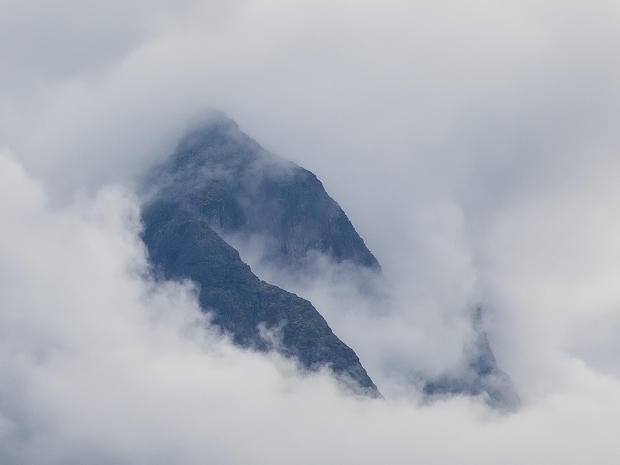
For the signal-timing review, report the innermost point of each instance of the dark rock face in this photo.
(220, 179)
(236, 186)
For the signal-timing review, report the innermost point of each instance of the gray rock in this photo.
(220, 179)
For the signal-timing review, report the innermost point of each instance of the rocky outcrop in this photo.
(481, 375)
(237, 186)
(220, 180)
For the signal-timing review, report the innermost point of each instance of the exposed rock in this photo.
(237, 186)
(219, 178)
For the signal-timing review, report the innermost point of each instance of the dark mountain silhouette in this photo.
(220, 180)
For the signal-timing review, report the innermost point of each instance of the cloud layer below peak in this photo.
(473, 145)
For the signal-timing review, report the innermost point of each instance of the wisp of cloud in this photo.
(474, 147)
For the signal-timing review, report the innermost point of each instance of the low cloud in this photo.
(473, 145)
(100, 364)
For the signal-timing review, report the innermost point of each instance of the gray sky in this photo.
(473, 144)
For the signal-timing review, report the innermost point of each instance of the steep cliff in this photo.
(220, 180)
(237, 186)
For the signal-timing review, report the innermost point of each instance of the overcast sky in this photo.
(473, 144)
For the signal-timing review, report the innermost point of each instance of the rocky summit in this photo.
(219, 180)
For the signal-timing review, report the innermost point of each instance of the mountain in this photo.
(236, 186)
(218, 183)
(481, 376)
(220, 180)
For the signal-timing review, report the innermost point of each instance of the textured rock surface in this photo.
(237, 186)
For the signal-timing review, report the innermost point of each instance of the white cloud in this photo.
(473, 144)
(100, 365)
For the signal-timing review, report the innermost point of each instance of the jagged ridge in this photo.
(237, 186)
(214, 179)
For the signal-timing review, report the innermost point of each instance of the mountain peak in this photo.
(221, 181)
(241, 188)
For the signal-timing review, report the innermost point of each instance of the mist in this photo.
(474, 147)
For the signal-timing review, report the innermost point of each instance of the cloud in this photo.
(102, 365)
(473, 144)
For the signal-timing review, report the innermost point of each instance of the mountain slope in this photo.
(211, 182)
(237, 186)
